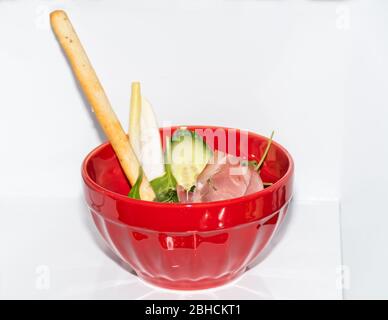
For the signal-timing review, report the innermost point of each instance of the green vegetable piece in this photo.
(165, 186)
(249, 163)
(134, 193)
(190, 154)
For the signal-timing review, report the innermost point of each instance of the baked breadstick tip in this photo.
(95, 94)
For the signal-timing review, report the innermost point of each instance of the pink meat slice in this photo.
(184, 196)
(224, 177)
(256, 184)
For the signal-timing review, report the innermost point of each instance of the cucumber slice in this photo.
(189, 156)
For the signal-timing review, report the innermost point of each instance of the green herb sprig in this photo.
(165, 186)
(257, 165)
(134, 193)
(264, 156)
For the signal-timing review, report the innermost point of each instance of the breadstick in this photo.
(97, 98)
(134, 119)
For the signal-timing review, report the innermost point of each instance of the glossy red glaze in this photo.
(189, 246)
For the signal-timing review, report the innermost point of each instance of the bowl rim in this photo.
(120, 197)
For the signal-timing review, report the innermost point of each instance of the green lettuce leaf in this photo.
(134, 193)
(165, 186)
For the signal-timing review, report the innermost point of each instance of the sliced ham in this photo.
(255, 184)
(184, 195)
(224, 177)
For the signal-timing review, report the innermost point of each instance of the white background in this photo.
(315, 71)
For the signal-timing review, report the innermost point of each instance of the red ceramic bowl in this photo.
(188, 246)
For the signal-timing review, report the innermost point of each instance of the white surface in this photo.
(246, 64)
(49, 248)
(365, 173)
(315, 71)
